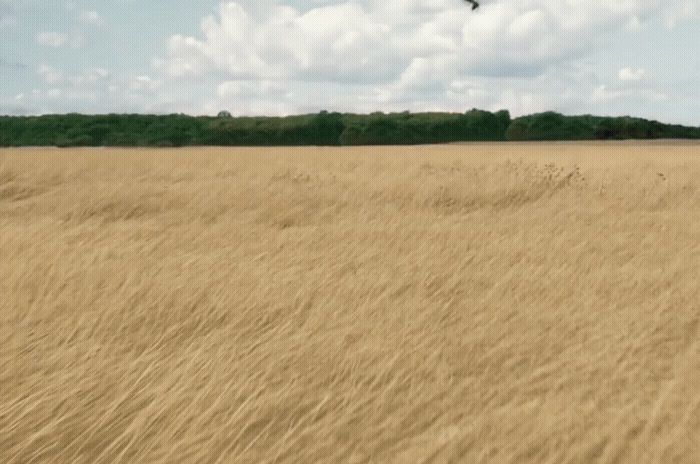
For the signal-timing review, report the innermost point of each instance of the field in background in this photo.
(533, 303)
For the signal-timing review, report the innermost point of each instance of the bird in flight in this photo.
(474, 3)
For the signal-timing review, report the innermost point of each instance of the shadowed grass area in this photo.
(531, 303)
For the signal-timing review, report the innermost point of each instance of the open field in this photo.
(500, 303)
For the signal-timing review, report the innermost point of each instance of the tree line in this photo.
(324, 128)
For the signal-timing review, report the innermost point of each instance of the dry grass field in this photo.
(480, 303)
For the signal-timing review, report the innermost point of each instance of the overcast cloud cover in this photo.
(638, 57)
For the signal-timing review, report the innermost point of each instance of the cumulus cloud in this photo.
(378, 41)
(250, 88)
(276, 41)
(141, 83)
(89, 76)
(52, 39)
(630, 74)
(90, 17)
(393, 55)
(81, 86)
(684, 10)
(54, 93)
(49, 74)
(290, 56)
(397, 50)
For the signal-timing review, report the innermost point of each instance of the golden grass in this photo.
(534, 303)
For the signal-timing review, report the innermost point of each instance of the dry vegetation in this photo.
(479, 303)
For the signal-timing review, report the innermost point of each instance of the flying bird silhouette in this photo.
(474, 3)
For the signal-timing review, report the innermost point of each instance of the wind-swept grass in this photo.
(479, 303)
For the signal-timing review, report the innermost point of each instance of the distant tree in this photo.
(324, 128)
(224, 114)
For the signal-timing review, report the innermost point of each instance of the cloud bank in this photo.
(292, 56)
(404, 53)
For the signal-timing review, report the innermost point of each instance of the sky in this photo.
(278, 57)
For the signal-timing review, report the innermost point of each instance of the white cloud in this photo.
(90, 17)
(60, 39)
(90, 76)
(683, 10)
(51, 39)
(634, 24)
(81, 94)
(627, 96)
(141, 83)
(54, 93)
(386, 41)
(276, 41)
(364, 55)
(290, 56)
(239, 88)
(49, 74)
(603, 92)
(98, 73)
(629, 74)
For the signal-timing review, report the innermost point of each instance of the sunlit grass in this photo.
(478, 303)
